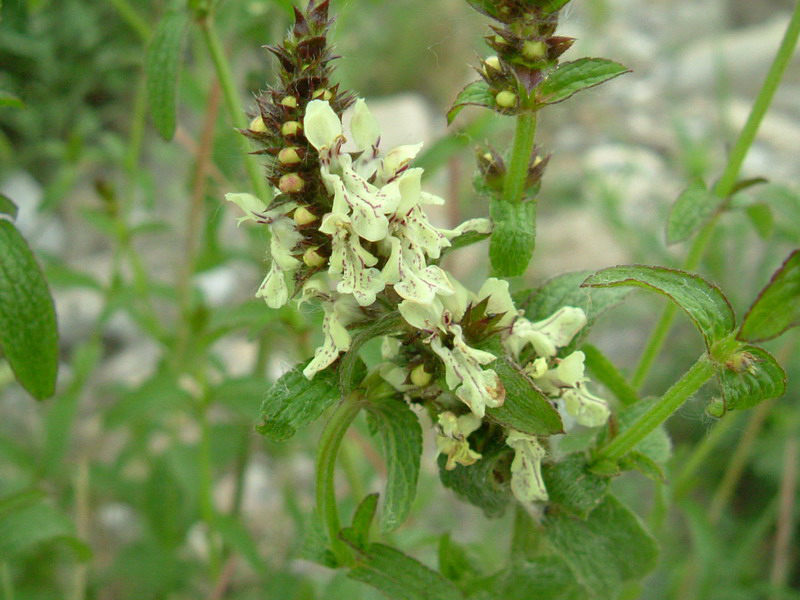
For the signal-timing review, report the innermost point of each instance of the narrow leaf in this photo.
(751, 377)
(608, 548)
(606, 372)
(7, 207)
(401, 439)
(777, 307)
(400, 577)
(357, 534)
(162, 66)
(513, 237)
(637, 461)
(28, 331)
(569, 78)
(293, 402)
(705, 304)
(476, 93)
(691, 210)
(572, 486)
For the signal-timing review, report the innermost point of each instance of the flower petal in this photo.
(321, 125)
(364, 127)
(527, 484)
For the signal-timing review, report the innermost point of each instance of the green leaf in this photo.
(608, 548)
(760, 215)
(541, 578)
(350, 362)
(777, 307)
(357, 535)
(705, 304)
(513, 237)
(637, 461)
(751, 377)
(476, 93)
(400, 577)
(606, 372)
(464, 240)
(401, 440)
(236, 535)
(484, 484)
(569, 78)
(525, 408)
(24, 526)
(293, 402)
(691, 210)
(9, 100)
(162, 66)
(7, 207)
(28, 331)
(572, 486)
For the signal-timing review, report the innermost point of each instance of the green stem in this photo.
(223, 69)
(514, 184)
(132, 18)
(725, 185)
(671, 401)
(329, 445)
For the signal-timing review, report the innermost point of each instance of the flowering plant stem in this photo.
(514, 184)
(671, 401)
(329, 445)
(725, 186)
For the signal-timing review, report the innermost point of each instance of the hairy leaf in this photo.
(293, 402)
(750, 377)
(569, 78)
(401, 439)
(608, 548)
(777, 307)
(691, 210)
(484, 484)
(28, 330)
(400, 577)
(162, 66)
(513, 237)
(476, 93)
(705, 304)
(540, 578)
(572, 486)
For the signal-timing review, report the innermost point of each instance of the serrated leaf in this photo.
(540, 578)
(777, 307)
(400, 577)
(525, 408)
(478, 484)
(606, 372)
(476, 93)
(28, 330)
(349, 363)
(293, 402)
(756, 377)
(357, 534)
(401, 440)
(705, 304)
(24, 526)
(569, 78)
(7, 207)
(572, 486)
(608, 548)
(162, 67)
(513, 237)
(691, 210)
(760, 215)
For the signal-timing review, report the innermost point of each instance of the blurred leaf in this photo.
(756, 376)
(243, 395)
(442, 150)
(236, 535)
(572, 486)
(479, 483)
(760, 215)
(541, 578)
(357, 534)
(293, 402)
(61, 275)
(7, 207)
(513, 237)
(156, 397)
(569, 78)
(400, 577)
(691, 210)
(9, 100)
(605, 550)
(162, 66)
(24, 526)
(777, 307)
(455, 562)
(476, 93)
(705, 304)
(606, 372)
(401, 440)
(28, 331)
(525, 408)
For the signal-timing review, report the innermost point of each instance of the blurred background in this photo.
(149, 481)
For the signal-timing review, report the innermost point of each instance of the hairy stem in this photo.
(671, 401)
(725, 185)
(514, 184)
(329, 445)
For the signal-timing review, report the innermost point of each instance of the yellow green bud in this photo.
(303, 216)
(291, 128)
(258, 125)
(322, 94)
(506, 99)
(420, 377)
(291, 183)
(534, 50)
(289, 101)
(312, 258)
(289, 156)
(492, 63)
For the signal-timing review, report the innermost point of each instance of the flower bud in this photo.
(312, 258)
(534, 50)
(506, 99)
(322, 94)
(258, 125)
(291, 128)
(419, 376)
(289, 101)
(291, 183)
(716, 408)
(289, 156)
(492, 63)
(303, 216)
